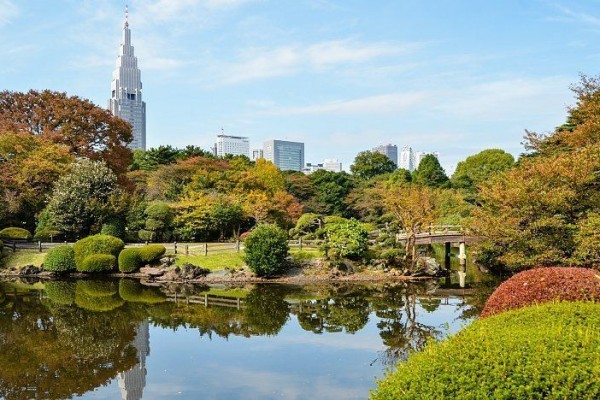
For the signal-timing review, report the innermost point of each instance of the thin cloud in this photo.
(8, 11)
(571, 15)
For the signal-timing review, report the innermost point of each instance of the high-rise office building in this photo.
(234, 145)
(126, 90)
(285, 155)
(256, 154)
(332, 165)
(406, 159)
(388, 150)
(419, 155)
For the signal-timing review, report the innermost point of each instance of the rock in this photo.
(152, 271)
(427, 266)
(186, 272)
(29, 270)
(167, 261)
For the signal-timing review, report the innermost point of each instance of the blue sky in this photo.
(340, 75)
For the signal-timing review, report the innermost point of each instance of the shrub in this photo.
(546, 351)
(130, 260)
(60, 292)
(152, 252)
(114, 227)
(97, 244)
(347, 240)
(146, 236)
(135, 292)
(15, 234)
(266, 250)
(60, 259)
(542, 285)
(98, 263)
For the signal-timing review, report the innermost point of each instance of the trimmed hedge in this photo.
(60, 259)
(14, 233)
(130, 260)
(98, 263)
(97, 244)
(549, 351)
(152, 252)
(542, 285)
(266, 250)
(135, 292)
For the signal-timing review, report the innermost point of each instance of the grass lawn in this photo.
(213, 262)
(21, 258)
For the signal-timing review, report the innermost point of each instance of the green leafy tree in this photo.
(266, 250)
(369, 164)
(430, 173)
(347, 240)
(78, 202)
(159, 222)
(331, 190)
(479, 167)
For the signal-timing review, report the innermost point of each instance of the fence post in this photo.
(206, 248)
(175, 247)
(40, 245)
(187, 252)
(237, 245)
(300, 243)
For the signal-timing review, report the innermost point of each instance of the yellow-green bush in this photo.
(96, 244)
(130, 260)
(14, 233)
(60, 259)
(98, 263)
(152, 252)
(540, 352)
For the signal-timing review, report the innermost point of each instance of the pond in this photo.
(116, 339)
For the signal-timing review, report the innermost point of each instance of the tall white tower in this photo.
(126, 90)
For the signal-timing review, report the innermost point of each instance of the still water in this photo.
(119, 339)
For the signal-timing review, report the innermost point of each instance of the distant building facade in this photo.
(126, 91)
(234, 145)
(332, 165)
(388, 150)
(406, 159)
(257, 154)
(287, 156)
(419, 155)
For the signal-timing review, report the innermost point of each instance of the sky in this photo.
(342, 76)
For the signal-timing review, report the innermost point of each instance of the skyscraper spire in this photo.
(126, 89)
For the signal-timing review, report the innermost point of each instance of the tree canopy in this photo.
(369, 164)
(430, 173)
(479, 167)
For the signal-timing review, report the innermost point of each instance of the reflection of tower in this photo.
(132, 382)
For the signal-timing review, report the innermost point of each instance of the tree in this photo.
(479, 167)
(86, 129)
(430, 173)
(368, 164)
(159, 220)
(78, 202)
(413, 207)
(331, 190)
(347, 240)
(29, 167)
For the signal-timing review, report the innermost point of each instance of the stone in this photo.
(427, 266)
(152, 271)
(168, 261)
(29, 270)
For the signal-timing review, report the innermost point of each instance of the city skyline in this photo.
(330, 74)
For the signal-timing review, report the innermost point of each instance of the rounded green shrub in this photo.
(266, 250)
(60, 292)
(97, 244)
(60, 259)
(130, 260)
(151, 252)
(549, 351)
(347, 239)
(133, 291)
(98, 263)
(14, 233)
(146, 236)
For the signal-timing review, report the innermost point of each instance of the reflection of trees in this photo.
(399, 327)
(54, 351)
(342, 309)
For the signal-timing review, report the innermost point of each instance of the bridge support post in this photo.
(447, 253)
(462, 253)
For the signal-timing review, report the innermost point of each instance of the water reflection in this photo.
(59, 339)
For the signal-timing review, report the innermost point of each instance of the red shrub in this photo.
(542, 285)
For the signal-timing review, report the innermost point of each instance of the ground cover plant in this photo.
(549, 351)
(542, 285)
